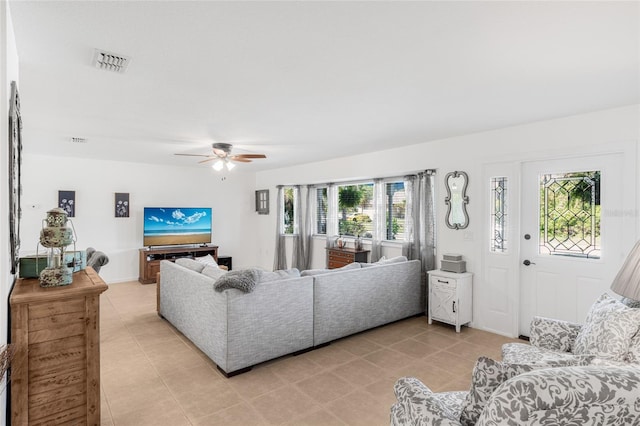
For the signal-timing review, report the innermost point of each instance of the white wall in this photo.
(587, 133)
(96, 182)
(8, 73)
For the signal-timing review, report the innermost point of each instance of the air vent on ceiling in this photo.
(78, 140)
(110, 61)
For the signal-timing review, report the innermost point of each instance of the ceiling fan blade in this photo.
(195, 155)
(250, 156)
(240, 159)
(208, 159)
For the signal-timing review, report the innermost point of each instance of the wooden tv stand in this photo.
(150, 259)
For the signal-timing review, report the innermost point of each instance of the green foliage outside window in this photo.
(353, 201)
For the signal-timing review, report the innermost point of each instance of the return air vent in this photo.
(110, 61)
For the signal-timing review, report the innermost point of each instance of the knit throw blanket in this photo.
(244, 280)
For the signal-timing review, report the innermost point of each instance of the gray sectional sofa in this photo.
(239, 329)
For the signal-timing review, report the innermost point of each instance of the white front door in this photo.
(572, 234)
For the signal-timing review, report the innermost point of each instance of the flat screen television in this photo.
(164, 226)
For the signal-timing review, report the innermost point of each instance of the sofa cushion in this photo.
(244, 280)
(190, 264)
(282, 274)
(213, 272)
(207, 260)
(488, 374)
(608, 330)
(312, 272)
(523, 353)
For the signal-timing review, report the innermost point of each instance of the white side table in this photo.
(450, 297)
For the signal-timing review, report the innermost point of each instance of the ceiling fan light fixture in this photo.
(218, 165)
(230, 165)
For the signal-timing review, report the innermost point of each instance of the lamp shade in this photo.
(627, 282)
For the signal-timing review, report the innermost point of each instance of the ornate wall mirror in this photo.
(456, 200)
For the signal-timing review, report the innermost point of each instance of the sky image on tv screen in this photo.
(171, 221)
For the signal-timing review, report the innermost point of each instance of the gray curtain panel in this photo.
(379, 219)
(299, 259)
(420, 222)
(308, 228)
(280, 256)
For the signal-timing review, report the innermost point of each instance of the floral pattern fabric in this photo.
(418, 405)
(553, 334)
(488, 374)
(567, 396)
(486, 377)
(586, 395)
(634, 346)
(608, 330)
(521, 353)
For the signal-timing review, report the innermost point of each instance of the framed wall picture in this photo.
(262, 201)
(67, 202)
(122, 204)
(15, 186)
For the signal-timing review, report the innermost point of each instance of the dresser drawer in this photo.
(442, 282)
(337, 263)
(340, 255)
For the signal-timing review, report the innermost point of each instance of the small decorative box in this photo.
(452, 257)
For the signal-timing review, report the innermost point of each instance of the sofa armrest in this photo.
(553, 334)
(418, 405)
(567, 395)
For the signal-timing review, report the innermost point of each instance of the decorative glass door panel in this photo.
(570, 214)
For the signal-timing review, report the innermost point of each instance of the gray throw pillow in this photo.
(213, 272)
(190, 264)
(244, 280)
(207, 260)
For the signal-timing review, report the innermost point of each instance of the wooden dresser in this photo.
(55, 373)
(337, 257)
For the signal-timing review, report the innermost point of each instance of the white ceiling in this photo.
(304, 81)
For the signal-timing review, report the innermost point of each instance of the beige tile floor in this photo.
(152, 375)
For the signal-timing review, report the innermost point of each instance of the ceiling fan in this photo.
(222, 156)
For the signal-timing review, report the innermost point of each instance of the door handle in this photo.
(527, 262)
(453, 306)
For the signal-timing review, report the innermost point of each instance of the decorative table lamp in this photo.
(627, 282)
(56, 236)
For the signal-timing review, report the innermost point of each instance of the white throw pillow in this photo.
(207, 260)
(608, 330)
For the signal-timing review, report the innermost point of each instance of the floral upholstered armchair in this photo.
(569, 374)
(581, 395)
(611, 334)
